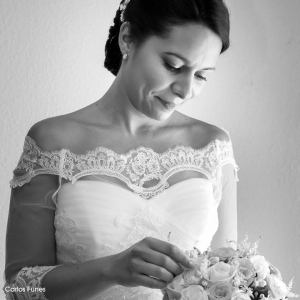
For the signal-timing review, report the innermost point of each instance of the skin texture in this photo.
(155, 76)
(145, 75)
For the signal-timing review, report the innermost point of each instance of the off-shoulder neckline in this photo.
(132, 151)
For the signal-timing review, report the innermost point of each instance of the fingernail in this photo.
(191, 264)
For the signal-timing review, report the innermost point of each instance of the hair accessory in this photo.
(122, 9)
(125, 56)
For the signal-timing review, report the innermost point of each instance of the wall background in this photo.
(52, 55)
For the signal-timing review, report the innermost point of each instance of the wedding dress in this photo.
(95, 218)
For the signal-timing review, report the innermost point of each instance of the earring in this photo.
(125, 56)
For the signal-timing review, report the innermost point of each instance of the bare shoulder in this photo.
(54, 133)
(201, 133)
(216, 133)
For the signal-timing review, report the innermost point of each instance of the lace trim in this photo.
(136, 293)
(27, 284)
(134, 168)
(66, 250)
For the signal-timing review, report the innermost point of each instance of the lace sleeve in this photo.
(226, 198)
(34, 161)
(226, 195)
(30, 235)
(27, 284)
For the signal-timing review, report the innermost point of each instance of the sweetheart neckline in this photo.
(130, 152)
(132, 193)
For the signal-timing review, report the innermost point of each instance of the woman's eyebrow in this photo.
(178, 56)
(184, 59)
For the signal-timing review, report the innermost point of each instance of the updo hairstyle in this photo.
(157, 17)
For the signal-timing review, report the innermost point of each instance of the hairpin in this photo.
(122, 9)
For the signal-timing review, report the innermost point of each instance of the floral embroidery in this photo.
(136, 293)
(146, 223)
(67, 251)
(145, 164)
(134, 168)
(28, 283)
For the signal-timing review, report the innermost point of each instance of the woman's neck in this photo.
(120, 111)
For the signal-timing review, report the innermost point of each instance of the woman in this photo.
(128, 182)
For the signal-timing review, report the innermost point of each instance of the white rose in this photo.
(172, 294)
(220, 290)
(194, 292)
(240, 295)
(220, 272)
(277, 287)
(178, 283)
(261, 266)
(191, 276)
(235, 262)
(214, 260)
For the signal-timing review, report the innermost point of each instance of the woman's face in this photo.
(163, 73)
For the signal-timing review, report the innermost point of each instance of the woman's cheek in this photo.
(159, 78)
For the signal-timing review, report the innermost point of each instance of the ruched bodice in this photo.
(95, 219)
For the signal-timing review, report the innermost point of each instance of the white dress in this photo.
(96, 218)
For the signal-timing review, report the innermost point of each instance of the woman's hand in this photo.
(151, 263)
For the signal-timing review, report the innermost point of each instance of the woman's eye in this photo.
(171, 68)
(200, 77)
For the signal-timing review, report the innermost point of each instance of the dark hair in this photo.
(156, 18)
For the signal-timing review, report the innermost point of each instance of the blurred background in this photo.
(52, 55)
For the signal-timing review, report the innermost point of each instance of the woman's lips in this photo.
(166, 104)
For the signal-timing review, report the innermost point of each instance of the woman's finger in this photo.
(162, 260)
(155, 271)
(170, 250)
(150, 282)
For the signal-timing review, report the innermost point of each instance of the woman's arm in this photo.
(30, 239)
(30, 242)
(227, 209)
(80, 281)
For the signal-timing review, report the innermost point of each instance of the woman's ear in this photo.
(125, 39)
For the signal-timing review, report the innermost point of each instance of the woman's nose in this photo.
(183, 88)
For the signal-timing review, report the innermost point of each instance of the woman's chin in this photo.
(161, 116)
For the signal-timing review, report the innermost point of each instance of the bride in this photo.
(106, 201)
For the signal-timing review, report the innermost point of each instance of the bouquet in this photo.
(229, 274)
